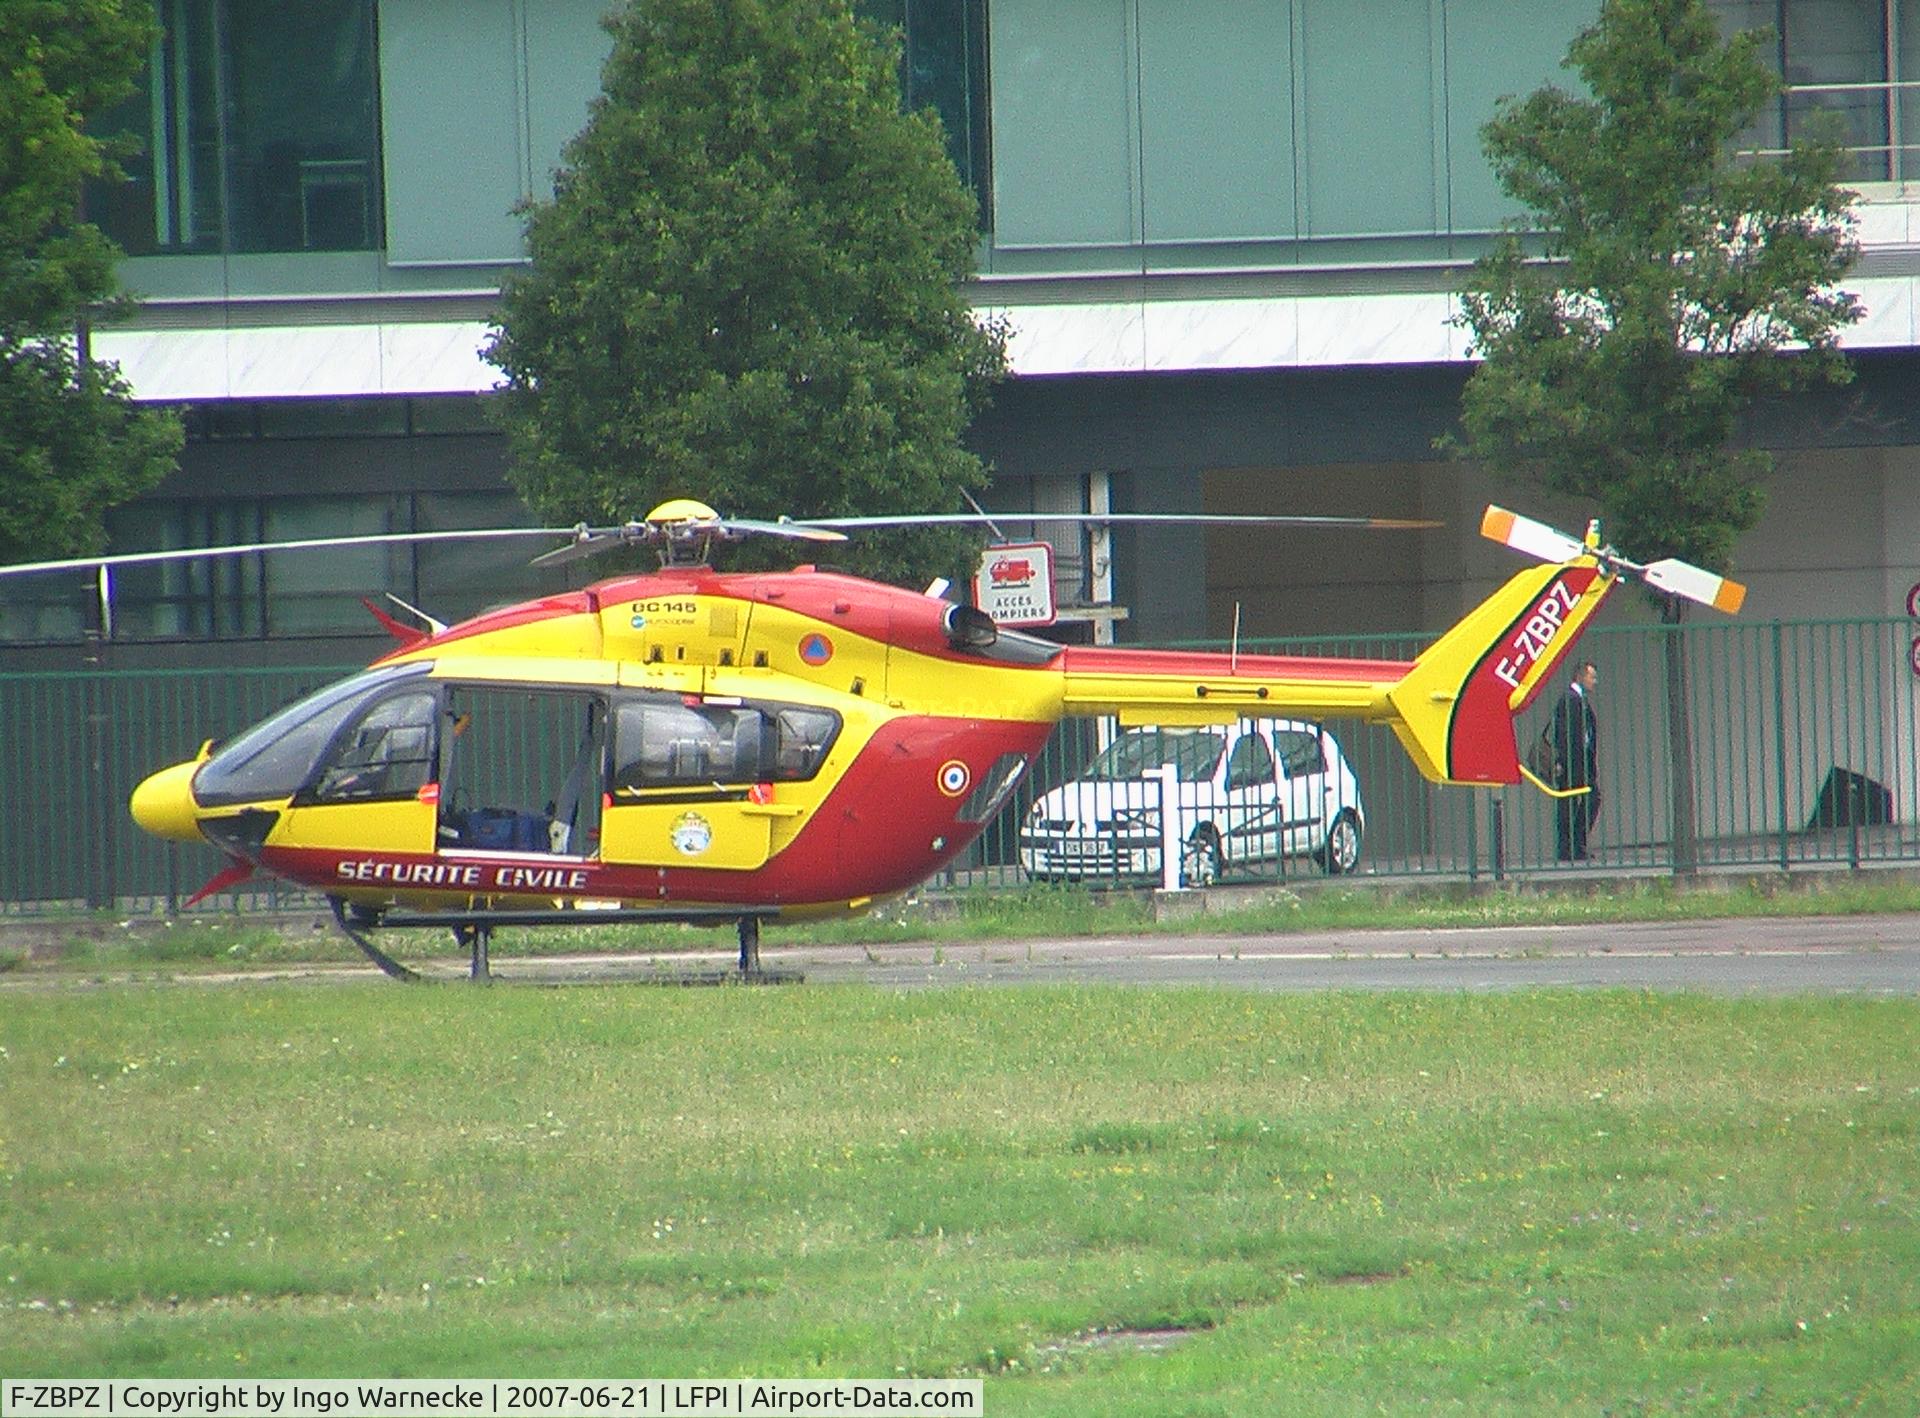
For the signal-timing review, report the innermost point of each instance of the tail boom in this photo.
(1452, 708)
(1199, 687)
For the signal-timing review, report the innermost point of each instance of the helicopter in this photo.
(740, 747)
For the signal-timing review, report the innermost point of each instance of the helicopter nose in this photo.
(164, 804)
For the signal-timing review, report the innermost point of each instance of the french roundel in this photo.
(954, 777)
(816, 650)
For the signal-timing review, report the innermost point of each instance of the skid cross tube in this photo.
(473, 928)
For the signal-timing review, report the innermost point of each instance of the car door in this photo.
(1248, 788)
(1304, 788)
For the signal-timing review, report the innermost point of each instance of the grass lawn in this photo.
(1515, 1204)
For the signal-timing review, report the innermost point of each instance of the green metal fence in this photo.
(1804, 738)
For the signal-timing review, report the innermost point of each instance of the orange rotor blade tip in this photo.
(1730, 597)
(1496, 524)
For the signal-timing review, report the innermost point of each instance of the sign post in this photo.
(1014, 584)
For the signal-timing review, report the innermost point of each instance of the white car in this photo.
(1257, 790)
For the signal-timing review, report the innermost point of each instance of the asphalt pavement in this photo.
(1871, 955)
(1865, 955)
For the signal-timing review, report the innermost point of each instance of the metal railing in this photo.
(1805, 741)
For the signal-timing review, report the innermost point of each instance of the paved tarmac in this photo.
(1872, 955)
(1866, 955)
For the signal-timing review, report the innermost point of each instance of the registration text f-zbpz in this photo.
(1529, 643)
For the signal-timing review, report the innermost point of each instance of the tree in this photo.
(1660, 284)
(72, 441)
(748, 286)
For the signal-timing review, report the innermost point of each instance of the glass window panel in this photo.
(332, 418)
(217, 597)
(943, 66)
(312, 592)
(54, 607)
(1250, 762)
(454, 413)
(1735, 16)
(389, 754)
(1063, 90)
(230, 419)
(173, 199)
(303, 125)
(1831, 47)
(460, 579)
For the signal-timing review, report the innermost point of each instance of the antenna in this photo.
(1233, 657)
(992, 526)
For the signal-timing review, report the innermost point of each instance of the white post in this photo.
(1100, 554)
(1169, 778)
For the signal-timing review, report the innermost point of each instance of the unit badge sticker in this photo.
(816, 650)
(691, 835)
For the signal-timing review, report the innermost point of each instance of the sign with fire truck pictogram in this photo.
(1014, 584)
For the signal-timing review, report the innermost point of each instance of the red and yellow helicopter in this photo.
(733, 747)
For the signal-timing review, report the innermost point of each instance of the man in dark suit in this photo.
(1576, 758)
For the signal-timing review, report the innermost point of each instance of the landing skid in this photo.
(473, 930)
(374, 953)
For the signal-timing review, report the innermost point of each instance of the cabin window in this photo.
(670, 743)
(389, 754)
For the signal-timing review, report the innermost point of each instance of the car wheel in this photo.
(1201, 863)
(1341, 854)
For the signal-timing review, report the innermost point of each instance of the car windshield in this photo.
(1192, 752)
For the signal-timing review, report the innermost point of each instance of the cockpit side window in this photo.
(390, 753)
(275, 758)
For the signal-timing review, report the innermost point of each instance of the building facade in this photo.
(1225, 235)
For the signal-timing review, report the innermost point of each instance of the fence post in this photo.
(1780, 736)
(1499, 837)
(1168, 776)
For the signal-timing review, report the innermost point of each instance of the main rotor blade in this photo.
(803, 531)
(1525, 535)
(1223, 519)
(145, 558)
(584, 545)
(1679, 578)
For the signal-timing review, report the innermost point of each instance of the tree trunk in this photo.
(1685, 827)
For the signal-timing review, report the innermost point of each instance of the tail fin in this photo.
(1453, 711)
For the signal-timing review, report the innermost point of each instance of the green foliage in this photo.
(748, 287)
(72, 442)
(1676, 279)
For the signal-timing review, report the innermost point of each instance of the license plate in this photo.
(1083, 850)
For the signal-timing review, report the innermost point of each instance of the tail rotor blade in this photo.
(1523, 534)
(1678, 578)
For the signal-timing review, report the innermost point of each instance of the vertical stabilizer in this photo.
(1455, 708)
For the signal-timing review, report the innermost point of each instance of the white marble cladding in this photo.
(292, 361)
(1138, 336)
